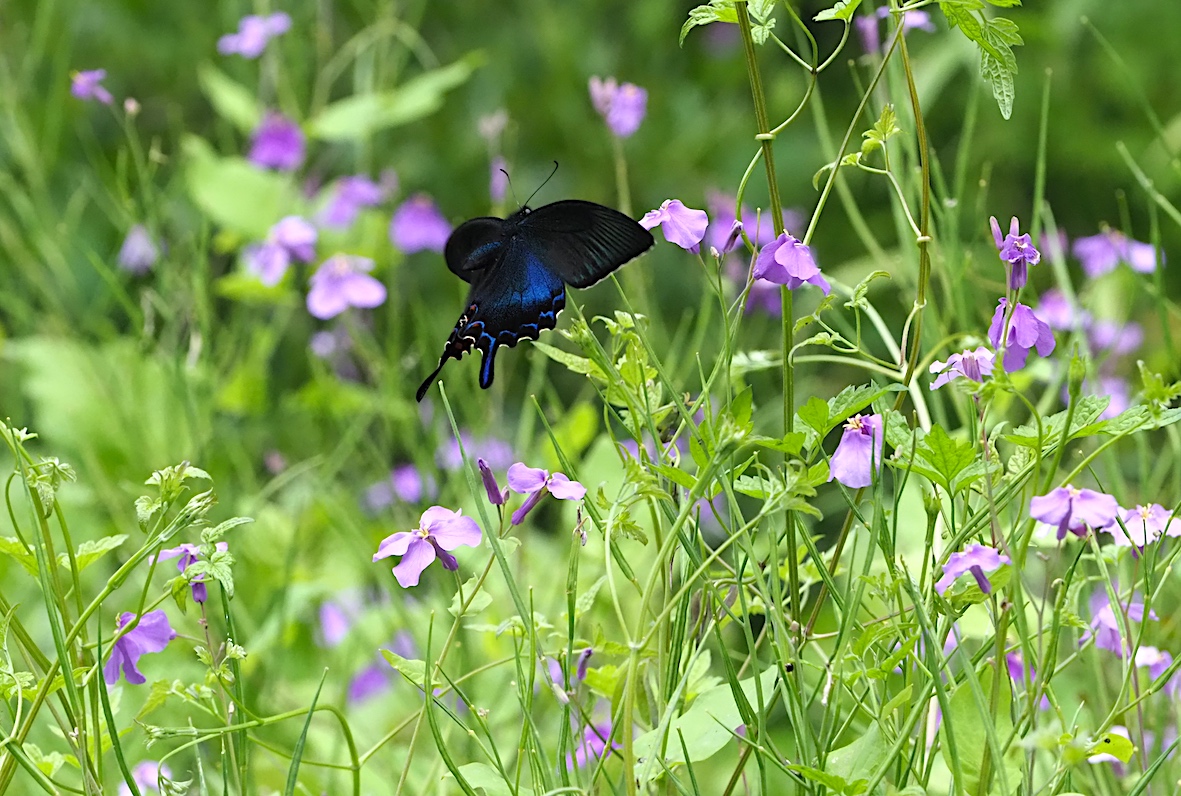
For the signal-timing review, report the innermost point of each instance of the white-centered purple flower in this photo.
(343, 281)
(417, 225)
(439, 531)
(498, 179)
(191, 554)
(151, 634)
(1056, 310)
(859, 452)
(1015, 249)
(349, 196)
(1143, 525)
(253, 35)
(1068, 508)
(787, 261)
(277, 143)
(147, 775)
(535, 482)
(1026, 332)
(88, 85)
(291, 238)
(974, 365)
(139, 252)
(681, 225)
(1099, 254)
(1105, 626)
(621, 106)
(977, 559)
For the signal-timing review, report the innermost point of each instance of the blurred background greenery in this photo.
(122, 375)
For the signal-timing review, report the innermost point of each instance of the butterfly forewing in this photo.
(582, 242)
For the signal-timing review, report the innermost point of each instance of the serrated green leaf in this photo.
(707, 14)
(677, 476)
(217, 533)
(862, 290)
(14, 548)
(573, 362)
(1086, 413)
(843, 11)
(90, 551)
(814, 414)
(946, 456)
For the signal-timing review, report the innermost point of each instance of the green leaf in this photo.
(217, 533)
(145, 508)
(232, 101)
(358, 117)
(997, 62)
(885, 128)
(858, 760)
(573, 362)
(967, 592)
(791, 443)
(1086, 412)
(482, 775)
(862, 290)
(830, 781)
(707, 726)
(677, 476)
(414, 671)
(1112, 744)
(946, 456)
(577, 430)
(843, 11)
(479, 602)
(90, 551)
(965, 721)
(13, 547)
(814, 414)
(852, 400)
(704, 15)
(1005, 3)
(234, 193)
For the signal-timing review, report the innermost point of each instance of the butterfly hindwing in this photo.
(475, 246)
(582, 242)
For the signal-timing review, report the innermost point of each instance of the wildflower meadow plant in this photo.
(734, 524)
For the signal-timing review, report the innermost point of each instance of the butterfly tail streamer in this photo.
(426, 385)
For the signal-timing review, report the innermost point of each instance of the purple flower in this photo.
(759, 227)
(349, 196)
(496, 453)
(146, 776)
(1111, 336)
(277, 143)
(976, 559)
(1016, 667)
(867, 27)
(1101, 253)
(152, 634)
(191, 554)
(1016, 250)
(764, 296)
(498, 181)
(681, 225)
(290, 238)
(1057, 311)
(341, 282)
(583, 659)
(1155, 660)
(417, 225)
(369, 682)
(859, 452)
(535, 482)
(1070, 509)
(253, 34)
(405, 483)
(139, 252)
(88, 85)
(1144, 525)
(971, 365)
(1025, 331)
(621, 106)
(337, 617)
(787, 261)
(592, 745)
(439, 531)
(1105, 627)
(495, 496)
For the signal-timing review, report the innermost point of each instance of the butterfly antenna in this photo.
(547, 179)
(510, 185)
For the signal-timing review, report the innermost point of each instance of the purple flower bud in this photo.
(621, 106)
(139, 252)
(583, 659)
(1016, 250)
(495, 496)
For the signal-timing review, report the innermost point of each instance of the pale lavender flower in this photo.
(1143, 525)
(1026, 331)
(498, 181)
(972, 365)
(681, 225)
(372, 680)
(1016, 250)
(337, 617)
(291, 238)
(254, 32)
(787, 261)
(405, 484)
(151, 634)
(497, 453)
(1099, 254)
(1105, 627)
(592, 745)
(859, 452)
(139, 252)
(342, 281)
(277, 143)
(146, 776)
(191, 554)
(1155, 660)
(867, 27)
(1068, 508)
(621, 106)
(1118, 339)
(1056, 310)
(976, 559)
(759, 226)
(417, 225)
(88, 85)
(535, 482)
(349, 196)
(329, 343)
(440, 530)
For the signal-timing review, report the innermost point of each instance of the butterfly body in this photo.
(519, 268)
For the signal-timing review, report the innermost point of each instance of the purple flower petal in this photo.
(859, 452)
(418, 557)
(395, 545)
(151, 634)
(139, 252)
(563, 488)
(450, 528)
(277, 143)
(417, 225)
(525, 480)
(88, 85)
(681, 225)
